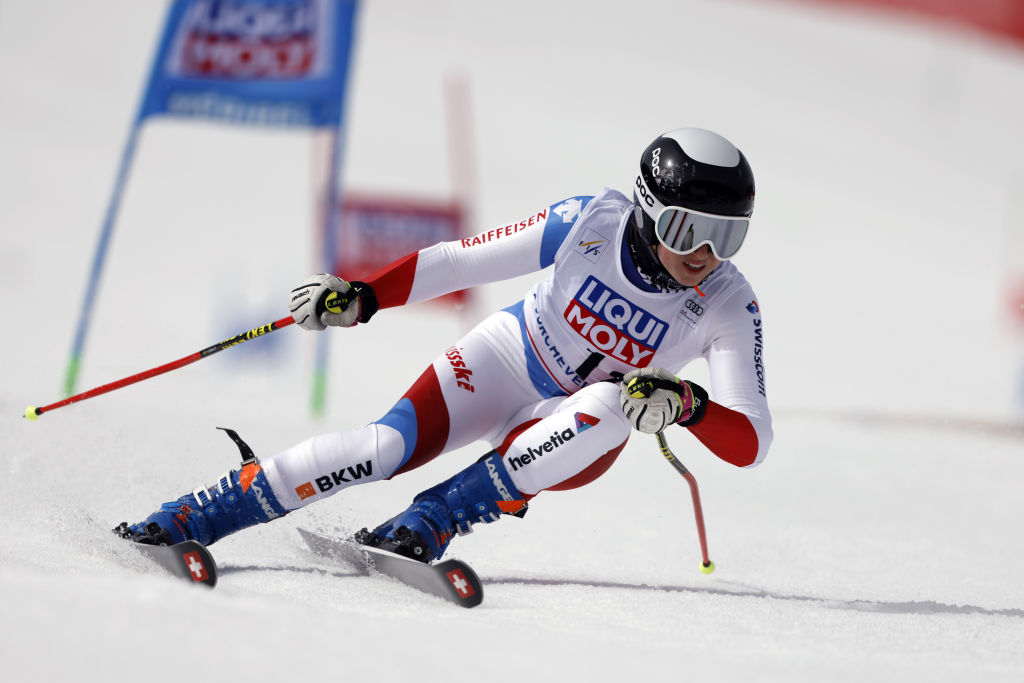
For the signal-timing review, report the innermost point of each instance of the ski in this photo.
(187, 560)
(452, 580)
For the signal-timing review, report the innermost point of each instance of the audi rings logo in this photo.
(695, 307)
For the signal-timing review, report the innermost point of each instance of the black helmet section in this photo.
(694, 169)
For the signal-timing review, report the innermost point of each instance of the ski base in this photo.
(188, 560)
(452, 580)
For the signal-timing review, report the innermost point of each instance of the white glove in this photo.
(325, 300)
(654, 398)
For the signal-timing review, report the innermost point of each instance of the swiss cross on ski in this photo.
(458, 580)
(195, 565)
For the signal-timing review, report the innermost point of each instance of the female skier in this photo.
(638, 288)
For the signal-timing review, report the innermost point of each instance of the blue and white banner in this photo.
(260, 62)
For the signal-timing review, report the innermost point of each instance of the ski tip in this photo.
(187, 560)
(451, 580)
(466, 588)
(201, 566)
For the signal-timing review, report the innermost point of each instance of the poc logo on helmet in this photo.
(656, 161)
(641, 190)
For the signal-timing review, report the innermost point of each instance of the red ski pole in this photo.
(707, 566)
(33, 413)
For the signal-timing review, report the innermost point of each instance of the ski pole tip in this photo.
(32, 413)
(707, 568)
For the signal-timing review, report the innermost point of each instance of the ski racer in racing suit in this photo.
(554, 383)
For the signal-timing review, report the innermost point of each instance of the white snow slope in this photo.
(882, 538)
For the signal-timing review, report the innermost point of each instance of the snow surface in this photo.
(882, 538)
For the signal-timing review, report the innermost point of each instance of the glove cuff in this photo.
(367, 300)
(700, 404)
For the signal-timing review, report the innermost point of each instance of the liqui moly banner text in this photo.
(262, 62)
(614, 324)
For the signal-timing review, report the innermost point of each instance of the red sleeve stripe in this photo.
(728, 434)
(393, 282)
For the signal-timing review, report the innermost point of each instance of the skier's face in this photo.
(688, 269)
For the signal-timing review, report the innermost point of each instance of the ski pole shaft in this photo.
(33, 412)
(707, 566)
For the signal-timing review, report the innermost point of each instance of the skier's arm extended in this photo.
(513, 249)
(504, 252)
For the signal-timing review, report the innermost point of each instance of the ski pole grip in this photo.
(336, 302)
(642, 387)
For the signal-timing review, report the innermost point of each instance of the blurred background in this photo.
(887, 246)
(886, 250)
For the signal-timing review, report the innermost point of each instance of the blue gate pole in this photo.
(328, 258)
(98, 259)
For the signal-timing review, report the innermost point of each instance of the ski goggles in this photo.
(683, 231)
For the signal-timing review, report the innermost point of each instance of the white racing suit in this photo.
(536, 381)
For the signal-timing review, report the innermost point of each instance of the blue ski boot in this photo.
(479, 493)
(240, 499)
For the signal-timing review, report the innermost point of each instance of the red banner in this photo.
(375, 231)
(999, 17)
